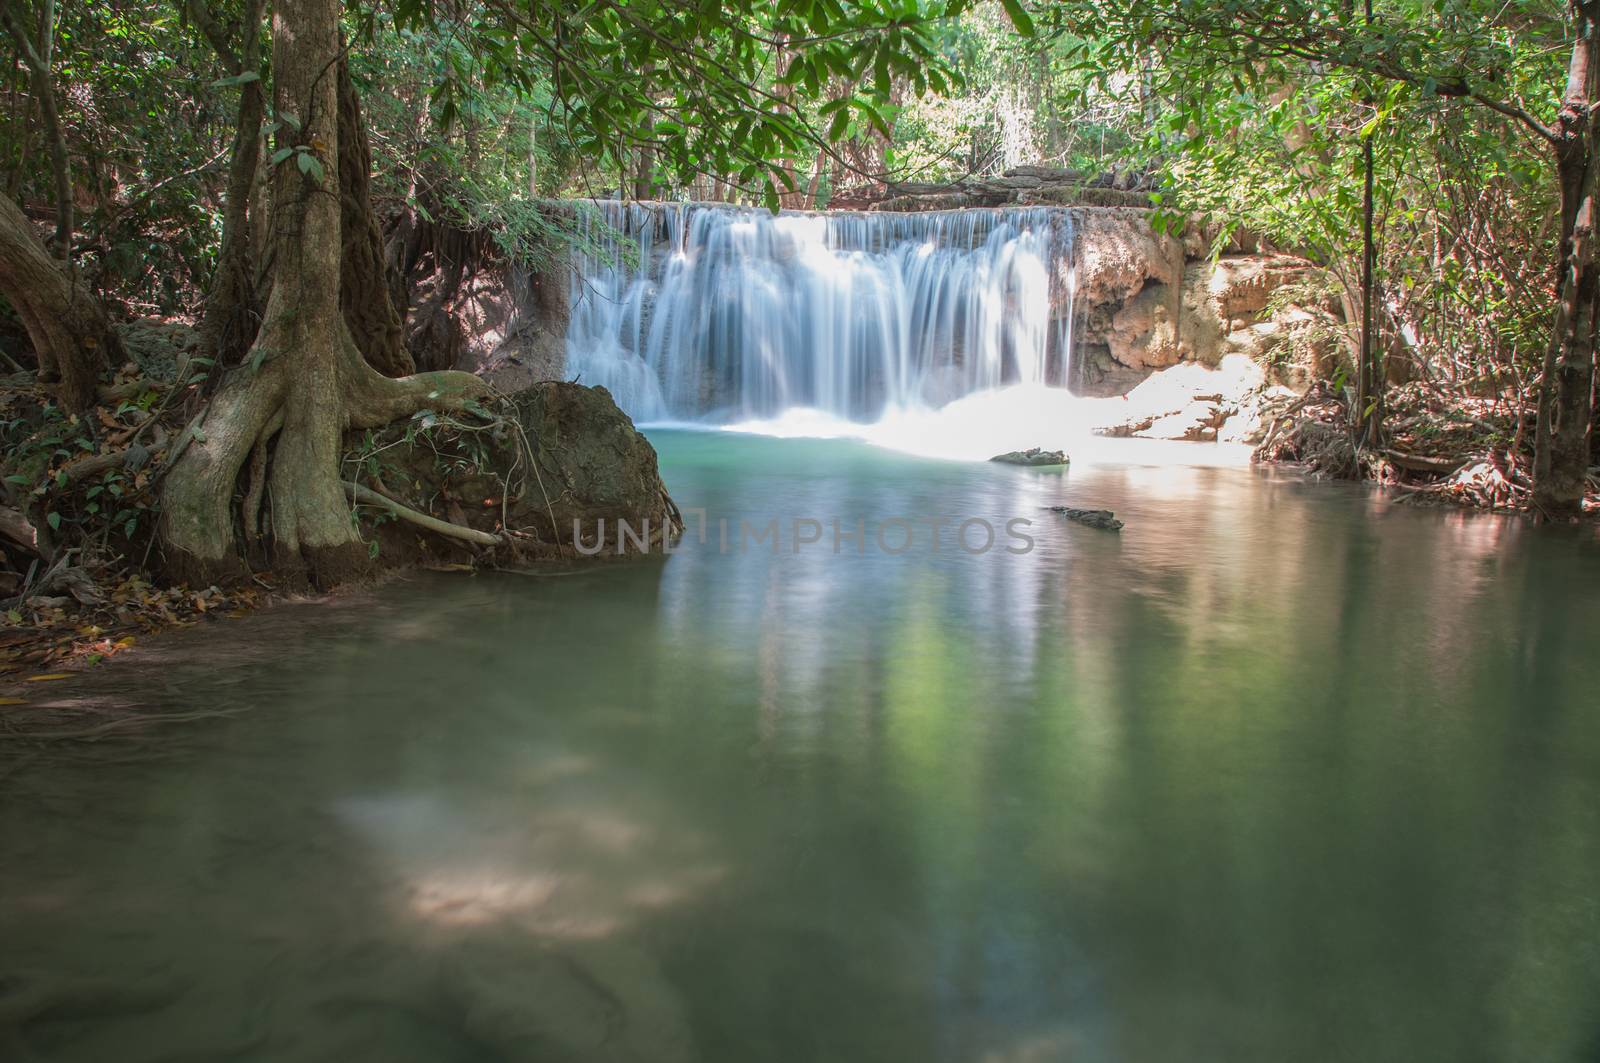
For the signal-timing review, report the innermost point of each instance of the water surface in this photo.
(1284, 771)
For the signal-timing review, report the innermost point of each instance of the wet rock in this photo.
(563, 457)
(1033, 457)
(591, 463)
(1119, 253)
(1103, 519)
(1193, 402)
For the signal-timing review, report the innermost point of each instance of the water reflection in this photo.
(1284, 771)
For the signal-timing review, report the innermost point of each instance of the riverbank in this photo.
(83, 573)
(1438, 448)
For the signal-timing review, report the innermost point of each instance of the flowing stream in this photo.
(706, 312)
(1284, 771)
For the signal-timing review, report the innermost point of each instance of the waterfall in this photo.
(705, 311)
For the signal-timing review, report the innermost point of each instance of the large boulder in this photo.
(557, 471)
(592, 466)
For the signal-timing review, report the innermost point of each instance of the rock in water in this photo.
(1033, 456)
(1094, 518)
(591, 472)
(592, 464)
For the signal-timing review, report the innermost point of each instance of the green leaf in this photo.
(840, 123)
(54, 520)
(1019, 17)
(279, 155)
(309, 165)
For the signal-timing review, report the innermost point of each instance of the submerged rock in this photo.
(1034, 456)
(1093, 518)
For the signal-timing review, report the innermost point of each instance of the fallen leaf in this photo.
(48, 677)
(13, 701)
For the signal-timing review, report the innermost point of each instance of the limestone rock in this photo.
(502, 321)
(1228, 404)
(1103, 519)
(1144, 333)
(1034, 457)
(1119, 253)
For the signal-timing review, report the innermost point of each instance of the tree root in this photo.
(108, 394)
(422, 520)
(258, 478)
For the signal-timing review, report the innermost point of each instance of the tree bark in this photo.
(233, 306)
(376, 324)
(37, 56)
(71, 335)
(1369, 366)
(1566, 402)
(305, 382)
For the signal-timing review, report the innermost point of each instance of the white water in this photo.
(928, 333)
(723, 315)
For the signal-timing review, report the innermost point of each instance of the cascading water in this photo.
(697, 311)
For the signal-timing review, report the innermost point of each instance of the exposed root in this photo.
(1439, 449)
(422, 520)
(375, 400)
(258, 478)
(1322, 445)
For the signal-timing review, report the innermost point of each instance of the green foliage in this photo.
(41, 444)
(698, 89)
(1262, 132)
(477, 111)
(1023, 99)
(145, 122)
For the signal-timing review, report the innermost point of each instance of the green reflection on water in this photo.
(1281, 772)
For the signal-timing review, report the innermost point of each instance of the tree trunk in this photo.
(644, 185)
(375, 322)
(812, 189)
(233, 306)
(305, 382)
(1566, 400)
(37, 56)
(71, 335)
